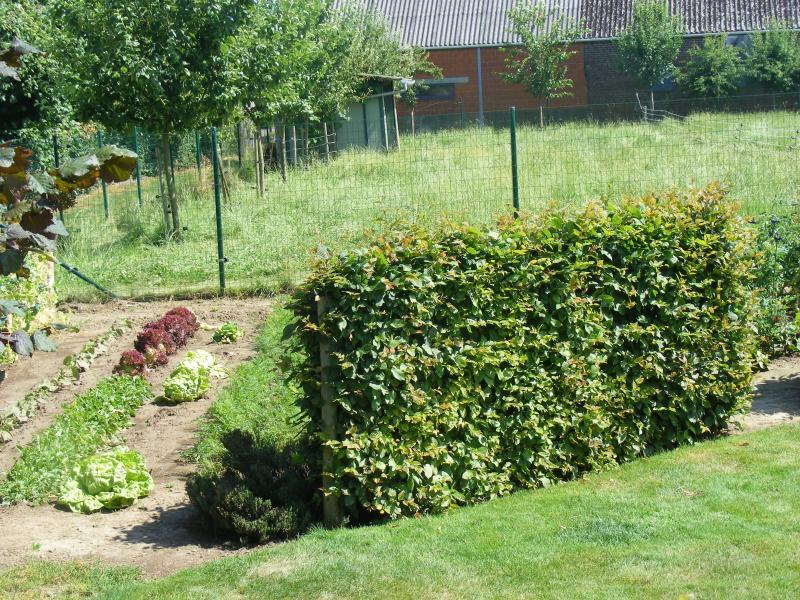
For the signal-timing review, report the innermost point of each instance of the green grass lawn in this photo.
(463, 174)
(718, 520)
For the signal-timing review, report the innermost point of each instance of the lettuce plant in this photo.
(191, 378)
(228, 333)
(110, 480)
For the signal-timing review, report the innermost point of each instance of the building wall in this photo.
(606, 82)
(498, 95)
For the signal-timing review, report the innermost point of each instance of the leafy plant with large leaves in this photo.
(469, 362)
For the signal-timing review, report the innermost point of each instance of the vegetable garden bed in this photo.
(163, 523)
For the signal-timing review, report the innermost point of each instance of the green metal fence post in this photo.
(103, 183)
(221, 260)
(197, 153)
(514, 176)
(57, 162)
(138, 165)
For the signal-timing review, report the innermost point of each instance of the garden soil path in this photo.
(159, 534)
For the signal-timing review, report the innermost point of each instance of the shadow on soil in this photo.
(173, 528)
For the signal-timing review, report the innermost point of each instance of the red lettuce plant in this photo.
(130, 363)
(158, 339)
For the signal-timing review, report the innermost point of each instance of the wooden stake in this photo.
(331, 507)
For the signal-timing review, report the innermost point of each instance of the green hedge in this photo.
(470, 362)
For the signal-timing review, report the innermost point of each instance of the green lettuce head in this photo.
(111, 480)
(191, 378)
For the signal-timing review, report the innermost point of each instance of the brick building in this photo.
(464, 38)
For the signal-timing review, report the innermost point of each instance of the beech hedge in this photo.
(468, 362)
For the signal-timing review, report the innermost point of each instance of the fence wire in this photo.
(315, 186)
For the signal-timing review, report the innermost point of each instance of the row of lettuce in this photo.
(80, 460)
(467, 363)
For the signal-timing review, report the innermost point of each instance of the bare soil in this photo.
(160, 533)
(777, 395)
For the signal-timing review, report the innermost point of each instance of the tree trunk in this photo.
(541, 115)
(282, 140)
(327, 144)
(413, 123)
(293, 155)
(260, 164)
(306, 141)
(162, 195)
(166, 156)
(652, 101)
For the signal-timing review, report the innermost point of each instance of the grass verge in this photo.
(46, 579)
(717, 520)
(85, 426)
(257, 400)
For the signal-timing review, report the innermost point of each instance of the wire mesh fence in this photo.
(317, 185)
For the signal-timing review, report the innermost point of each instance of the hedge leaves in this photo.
(469, 362)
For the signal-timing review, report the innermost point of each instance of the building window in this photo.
(437, 91)
(440, 89)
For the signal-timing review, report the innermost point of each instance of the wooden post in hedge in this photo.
(331, 507)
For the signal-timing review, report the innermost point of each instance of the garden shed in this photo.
(372, 123)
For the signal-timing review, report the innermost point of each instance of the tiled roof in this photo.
(469, 23)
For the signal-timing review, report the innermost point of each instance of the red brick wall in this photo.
(498, 95)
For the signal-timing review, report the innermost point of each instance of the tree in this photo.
(539, 63)
(649, 46)
(712, 68)
(32, 106)
(774, 58)
(319, 56)
(159, 64)
(410, 97)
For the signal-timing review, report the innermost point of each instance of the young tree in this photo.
(774, 58)
(159, 64)
(712, 69)
(649, 46)
(539, 62)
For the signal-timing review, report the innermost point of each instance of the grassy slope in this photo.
(465, 174)
(720, 520)
(257, 399)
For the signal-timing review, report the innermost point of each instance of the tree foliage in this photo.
(712, 69)
(158, 64)
(32, 105)
(649, 46)
(308, 60)
(539, 63)
(774, 58)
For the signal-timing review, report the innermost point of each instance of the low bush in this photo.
(255, 476)
(777, 284)
(261, 494)
(468, 362)
(86, 426)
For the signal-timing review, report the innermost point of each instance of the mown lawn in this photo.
(718, 520)
(464, 174)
